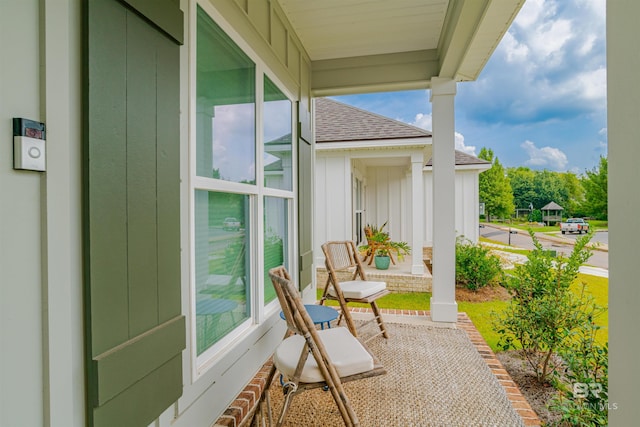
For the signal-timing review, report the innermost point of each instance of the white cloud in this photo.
(530, 13)
(587, 44)
(514, 50)
(550, 65)
(595, 84)
(603, 144)
(545, 156)
(590, 86)
(425, 121)
(469, 149)
(549, 38)
(598, 7)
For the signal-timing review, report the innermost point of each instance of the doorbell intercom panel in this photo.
(29, 139)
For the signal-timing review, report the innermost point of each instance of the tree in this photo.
(494, 188)
(595, 186)
(521, 179)
(544, 311)
(549, 187)
(575, 189)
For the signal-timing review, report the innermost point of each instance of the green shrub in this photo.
(583, 386)
(544, 312)
(475, 265)
(535, 216)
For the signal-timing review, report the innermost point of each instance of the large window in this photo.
(277, 138)
(225, 103)
(242, 189)
(276, 238)
(222, 260)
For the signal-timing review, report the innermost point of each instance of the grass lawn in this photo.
(480, 312)
(505, 248)
(598, 287)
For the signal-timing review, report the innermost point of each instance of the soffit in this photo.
(331, 29)
(359, 46)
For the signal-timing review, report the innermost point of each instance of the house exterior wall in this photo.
(332, 201)
(41, 288)
(467, 204)
(41, 368)
(387, 199)
(466, 200)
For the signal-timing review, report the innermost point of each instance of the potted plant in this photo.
(381, 247)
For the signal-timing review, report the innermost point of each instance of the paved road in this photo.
(561, 244)
(598, 236)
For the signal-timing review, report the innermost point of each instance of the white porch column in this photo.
(443, 302)
(417, 213)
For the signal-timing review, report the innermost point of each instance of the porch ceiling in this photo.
(387, 161)
(358, 46)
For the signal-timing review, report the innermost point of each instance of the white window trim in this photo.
(260, 312)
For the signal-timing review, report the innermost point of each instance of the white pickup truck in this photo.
(574, 225)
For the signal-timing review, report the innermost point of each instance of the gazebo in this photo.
(552, 212)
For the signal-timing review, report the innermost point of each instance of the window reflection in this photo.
(225, 116)
(222, 264)
(276, 246)
(277, 138)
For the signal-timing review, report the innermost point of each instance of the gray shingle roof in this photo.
(552, 206)
(337, 122)
(463, 158)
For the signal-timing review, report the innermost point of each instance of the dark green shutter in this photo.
(305, 196)
(135, 332)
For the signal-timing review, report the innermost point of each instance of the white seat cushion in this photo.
(358, 288)
(346, 353)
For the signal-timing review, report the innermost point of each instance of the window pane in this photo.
(277, 138)
(276, 250)
(222, 264)
(225, 119)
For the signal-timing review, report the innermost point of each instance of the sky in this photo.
(540, 101)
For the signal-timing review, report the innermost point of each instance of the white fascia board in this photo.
(474, 167)
(377, 143)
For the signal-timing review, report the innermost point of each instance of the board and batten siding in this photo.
(388, 199)
(385, 201)
(333, 202)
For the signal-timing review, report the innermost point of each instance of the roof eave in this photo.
(378, 143)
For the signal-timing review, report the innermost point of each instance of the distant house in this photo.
(371, 169)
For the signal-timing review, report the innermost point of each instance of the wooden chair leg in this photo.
(344, 311)
(381, 325)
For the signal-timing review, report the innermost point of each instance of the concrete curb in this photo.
(543, 236)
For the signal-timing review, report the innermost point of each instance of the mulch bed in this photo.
(538, 395)
(484, 294)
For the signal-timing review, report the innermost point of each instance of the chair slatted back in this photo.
(290, 302)
(340, 256)
(343, 256)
